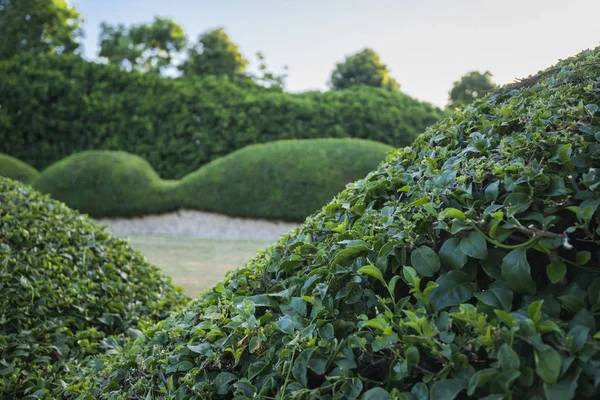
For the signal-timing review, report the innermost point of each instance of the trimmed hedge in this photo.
(66, 286)
(285, 180)
(15, 169)
(54, 106)
(108, 184)
(466, 266)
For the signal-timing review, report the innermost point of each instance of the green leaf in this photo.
(491, 191)
(535, 310)
(222, 382)
(299, 369)
(507, 358)
(582, 257)
(447, 389)
(420, 391)
(285, 324)
(474, 245)
(425, 261)
(412, 355)
(452, 213)
(505, 317)
(451, 256)
(497, 297)
(351, 388)
(563, 390)
(373, 271)
(516, 271)
(410, 275)
(556, 270)
(480, 378)
(547, 364)
(296, 306)
(357, 247)
(564, 153)
(453, 288)
(376, 393)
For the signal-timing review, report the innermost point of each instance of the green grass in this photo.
(195, 264)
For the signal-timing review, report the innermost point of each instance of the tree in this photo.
(362, 68)
(471, 87)
(267, 78)
(214, 54)
(38, 27)
(144, 47)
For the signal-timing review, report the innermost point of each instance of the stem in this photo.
(496, 243)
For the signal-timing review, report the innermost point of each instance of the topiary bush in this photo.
(58, 105)
(466, 266)
(66, 286)
(108, 184)
(15, 169)
(286, 180)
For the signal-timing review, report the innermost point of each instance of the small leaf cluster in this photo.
(464, 267)
(66, 287)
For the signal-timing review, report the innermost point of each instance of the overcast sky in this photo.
(427, 44)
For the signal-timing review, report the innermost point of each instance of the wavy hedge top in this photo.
(464, 267)
(54, 106)
(15, 169)
(65, 287)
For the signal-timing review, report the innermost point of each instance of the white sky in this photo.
(426, 44)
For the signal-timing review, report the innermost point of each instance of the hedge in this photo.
(108, 184)
(466, 266)
(54, 106)
(66, 286)
(15, 169)
(286, 180)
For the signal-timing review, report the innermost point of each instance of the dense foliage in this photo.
(38, 27)
(15, 169)
(286, 180)
(466, 266)
(65, 287)
(281, 180)
(108, 184)
(362, 68)
(51, 107)
(469, 88)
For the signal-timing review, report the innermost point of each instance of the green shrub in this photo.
(56, 106)
(286, 180)
(464, 267)
(65, 287)
(108, 184)
(15, 169)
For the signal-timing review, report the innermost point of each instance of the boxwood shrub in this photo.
(466, 266)
(108, 184)
(66, 286)
(15, 169)
(287, 179)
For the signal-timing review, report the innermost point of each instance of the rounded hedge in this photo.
(288, 179)
(108, 184)
(13, 168)
(466, 266)
(66, 286)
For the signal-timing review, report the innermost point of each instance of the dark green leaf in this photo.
(222, 382)
(547, 364)
(516, 271)
(474, 245)
(447, 389)
(451, 256)
(454, 288)
(425, 261)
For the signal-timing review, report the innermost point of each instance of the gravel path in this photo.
(199, 225)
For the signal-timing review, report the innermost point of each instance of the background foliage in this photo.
(285, 180)
(466, 266)
(474, 85)
(52, 107)
(66, 286)
(362, 68)
(15, 169)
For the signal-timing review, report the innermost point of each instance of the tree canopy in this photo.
(362, 68)
(38, 27)
(143, 47)
(214, 54)
(469, 88)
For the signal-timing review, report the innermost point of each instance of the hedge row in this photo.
(15, 169)
(466, 267)
(52, 107)
(66, 286)
(286, 180)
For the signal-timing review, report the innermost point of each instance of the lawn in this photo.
(195, 264)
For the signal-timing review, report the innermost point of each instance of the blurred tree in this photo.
(38, 27)
(363, 68)
(145, 47)
(214, 54)
(469, 88)
(267, 78)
